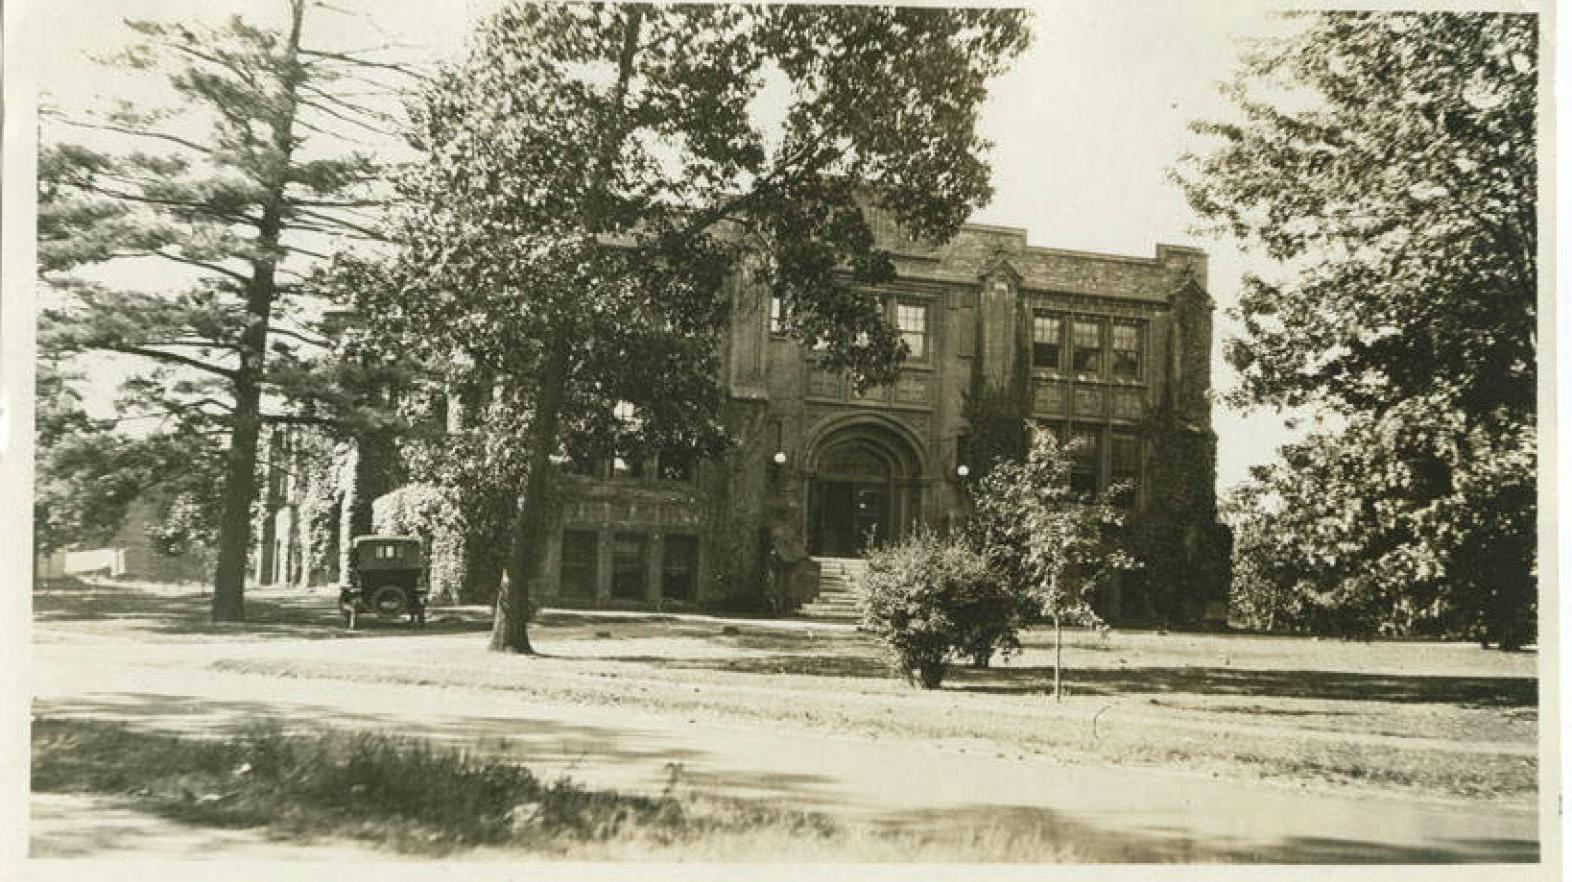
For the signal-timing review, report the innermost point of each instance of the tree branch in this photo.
(172, 357)
(342, 58)
(237, 276)
(141, 133)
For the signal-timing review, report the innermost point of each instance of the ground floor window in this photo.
(580, 563)
(629, 556)
(675, 465)
(1125, 465)
(1084, 459)
(679, 568)
(633, 565)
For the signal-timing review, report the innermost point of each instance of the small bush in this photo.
(930, 599)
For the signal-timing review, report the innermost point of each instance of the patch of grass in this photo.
(398, 793)
(1017, 723)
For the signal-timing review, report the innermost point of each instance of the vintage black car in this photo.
(387, 576)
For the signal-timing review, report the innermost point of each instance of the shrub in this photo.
(929, 599)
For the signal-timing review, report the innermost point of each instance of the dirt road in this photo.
(1098, 813)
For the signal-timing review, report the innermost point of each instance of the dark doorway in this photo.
(851, 517)
(863, 491)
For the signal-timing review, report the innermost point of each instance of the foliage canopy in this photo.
(602, 184)
(1388, 162)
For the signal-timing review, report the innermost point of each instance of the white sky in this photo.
(1085, 126)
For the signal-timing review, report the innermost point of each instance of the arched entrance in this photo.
(864, 488)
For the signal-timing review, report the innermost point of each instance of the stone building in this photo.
(1111, 349)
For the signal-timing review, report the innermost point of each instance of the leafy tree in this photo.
(1320, 552)
(1055, 546)
(88, 474)
(597, 177)
(480, 466)
(237, 185)
(1388, 161)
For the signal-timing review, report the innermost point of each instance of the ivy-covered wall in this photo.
(1184, 549)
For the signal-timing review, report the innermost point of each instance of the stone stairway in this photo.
(838, 591)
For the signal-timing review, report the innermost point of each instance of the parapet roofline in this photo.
(1022, 234)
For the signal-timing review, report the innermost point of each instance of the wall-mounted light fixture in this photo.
(779, 458)
(962, 470)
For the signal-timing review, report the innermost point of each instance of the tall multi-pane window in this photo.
(1087, 354)
(580, 563)
(911, 319)
(1047, 340)
(777, 315)
(1127, 339)
(679, 568)
(629, 565)
(627, 463)
(1124, 464)
(1086, 453)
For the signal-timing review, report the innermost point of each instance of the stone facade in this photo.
(1113, 348)
(1110, 348)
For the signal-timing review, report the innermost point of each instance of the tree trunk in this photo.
(240, 466)
(509, 630)
(510, 627)
(1058, 659)
(234, 528)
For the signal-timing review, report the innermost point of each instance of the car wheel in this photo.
(389, 600)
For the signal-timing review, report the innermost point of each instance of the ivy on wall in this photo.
(432, 513)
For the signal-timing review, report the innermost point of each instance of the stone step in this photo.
(830, 615)
(839, 596)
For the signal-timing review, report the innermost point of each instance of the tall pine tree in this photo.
(256, 170)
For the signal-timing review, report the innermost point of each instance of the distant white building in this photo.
(130, 556)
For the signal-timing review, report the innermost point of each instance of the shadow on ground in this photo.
(297, 616)
(1321, 685)
(1470, 692)
(1473, 692)
(797, 664)
(1090, 843)
(562, 746)
(1052, 834)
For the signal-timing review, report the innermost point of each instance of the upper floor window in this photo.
(911, 319)
(777, 315)
(1127, 350)
(1047, 340)
(631, 465)
(674, 465)
(1087, 354)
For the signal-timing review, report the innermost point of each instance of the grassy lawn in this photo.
(406, 796)
(1421, 719)
(1417, 719)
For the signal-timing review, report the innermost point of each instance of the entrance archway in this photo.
(864, 489)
